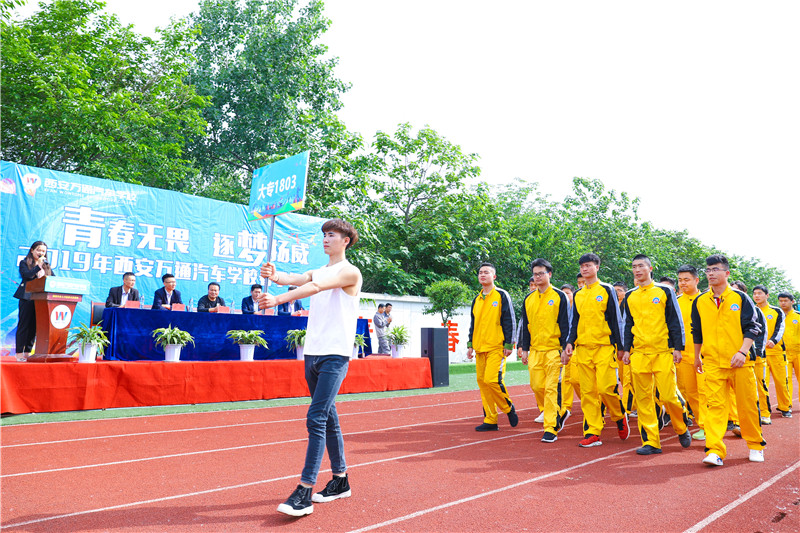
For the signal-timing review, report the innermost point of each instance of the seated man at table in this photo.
(167, 295)
(248, 304)
(291, 306)
(118, 296)
(210, 302)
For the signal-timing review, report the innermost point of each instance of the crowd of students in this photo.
(663, 354)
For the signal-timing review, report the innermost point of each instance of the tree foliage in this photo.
(446, 296)
(273, 94)
(82, 93)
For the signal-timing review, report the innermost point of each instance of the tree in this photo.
(273, 94)
(446, 296)
(82, 93)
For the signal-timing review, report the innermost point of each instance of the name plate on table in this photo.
(133, 304)
(59, 284)
(177, 307)
(223, 309)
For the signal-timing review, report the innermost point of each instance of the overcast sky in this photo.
(691, 106)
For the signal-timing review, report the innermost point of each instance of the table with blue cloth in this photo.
(131, 334)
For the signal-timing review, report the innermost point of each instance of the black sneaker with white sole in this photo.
(299, 503)
(338, 487)
(549, 437)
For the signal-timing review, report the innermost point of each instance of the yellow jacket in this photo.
(492, 322)
(685, 303)
(595, 317)
(775, 328)
(545, 321)
(721, 330)
(791, 335)
(652, 322)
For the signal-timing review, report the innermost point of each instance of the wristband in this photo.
(744, 354)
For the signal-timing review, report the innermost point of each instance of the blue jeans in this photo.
(324, 375)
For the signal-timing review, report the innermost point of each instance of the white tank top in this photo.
(332, 318)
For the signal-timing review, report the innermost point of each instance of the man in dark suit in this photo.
(249, 306)
(291, 306)
(117, 296)
(167, 295)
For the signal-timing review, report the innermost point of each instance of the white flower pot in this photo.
(87, 353)
(355, 352)
(300, 356)
(172, 353)
(397, 351)
(246, 351)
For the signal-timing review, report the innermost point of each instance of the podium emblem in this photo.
(60, 317)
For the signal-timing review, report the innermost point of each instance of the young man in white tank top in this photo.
(334, 291)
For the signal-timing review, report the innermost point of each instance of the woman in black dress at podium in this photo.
(34, 266)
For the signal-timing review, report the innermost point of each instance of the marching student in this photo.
(690, 383)
(545, 328)
(775, 358)
(791, 339)
(334, 290)
(491, 339)
(653, 341)
(724, 326)
(595, 341)
(625, 378)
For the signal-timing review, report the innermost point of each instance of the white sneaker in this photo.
(757, 456)
(766, 421)
(539, 419)
(714, 459)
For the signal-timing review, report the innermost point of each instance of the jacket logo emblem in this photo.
(734, 307)
(551, 302)
(599, 298)
(794, 321)
(494, 304)
(656, 300)
(769, 317)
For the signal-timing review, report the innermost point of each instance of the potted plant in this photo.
(172, 340)
(92, 339)
(358, 345)
(296, 339)
(399, 336)
(247, 341)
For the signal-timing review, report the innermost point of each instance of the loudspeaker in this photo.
(434, 347)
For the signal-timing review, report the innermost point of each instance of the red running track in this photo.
(415, 464)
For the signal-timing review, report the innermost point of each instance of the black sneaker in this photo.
(737, 430)
(664, 420)
(336, 488)
(549, 437)
(513, 417)
(686, 439)
(299, 503)
(730, 425)
(786, 414)
(648, 450)
(486, 427)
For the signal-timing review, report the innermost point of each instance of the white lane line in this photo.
(232, 448)
(293, 476)
(491, 492)
(243, 424)
(736, 503)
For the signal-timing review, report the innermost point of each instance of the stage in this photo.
(49, 387)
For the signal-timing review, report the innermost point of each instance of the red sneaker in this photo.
(623, 427)
(589, 441)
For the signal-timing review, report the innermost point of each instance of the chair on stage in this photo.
(97, 313)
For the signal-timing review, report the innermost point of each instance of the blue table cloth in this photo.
(131, 334)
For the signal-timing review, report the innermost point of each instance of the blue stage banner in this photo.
(279, 188)
(99, 229)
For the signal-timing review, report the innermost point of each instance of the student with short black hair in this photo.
(724, 327)
(791, 338)
(595, 339)
(491, 339)
(773, 350)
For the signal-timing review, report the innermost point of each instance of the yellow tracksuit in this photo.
(690, 383)
(596, 335)
(625, 377)
(760, 369)
(720, 327)
(491, 331)
(791, 339)
(544, 332)
(653, 330)
(776, 359)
